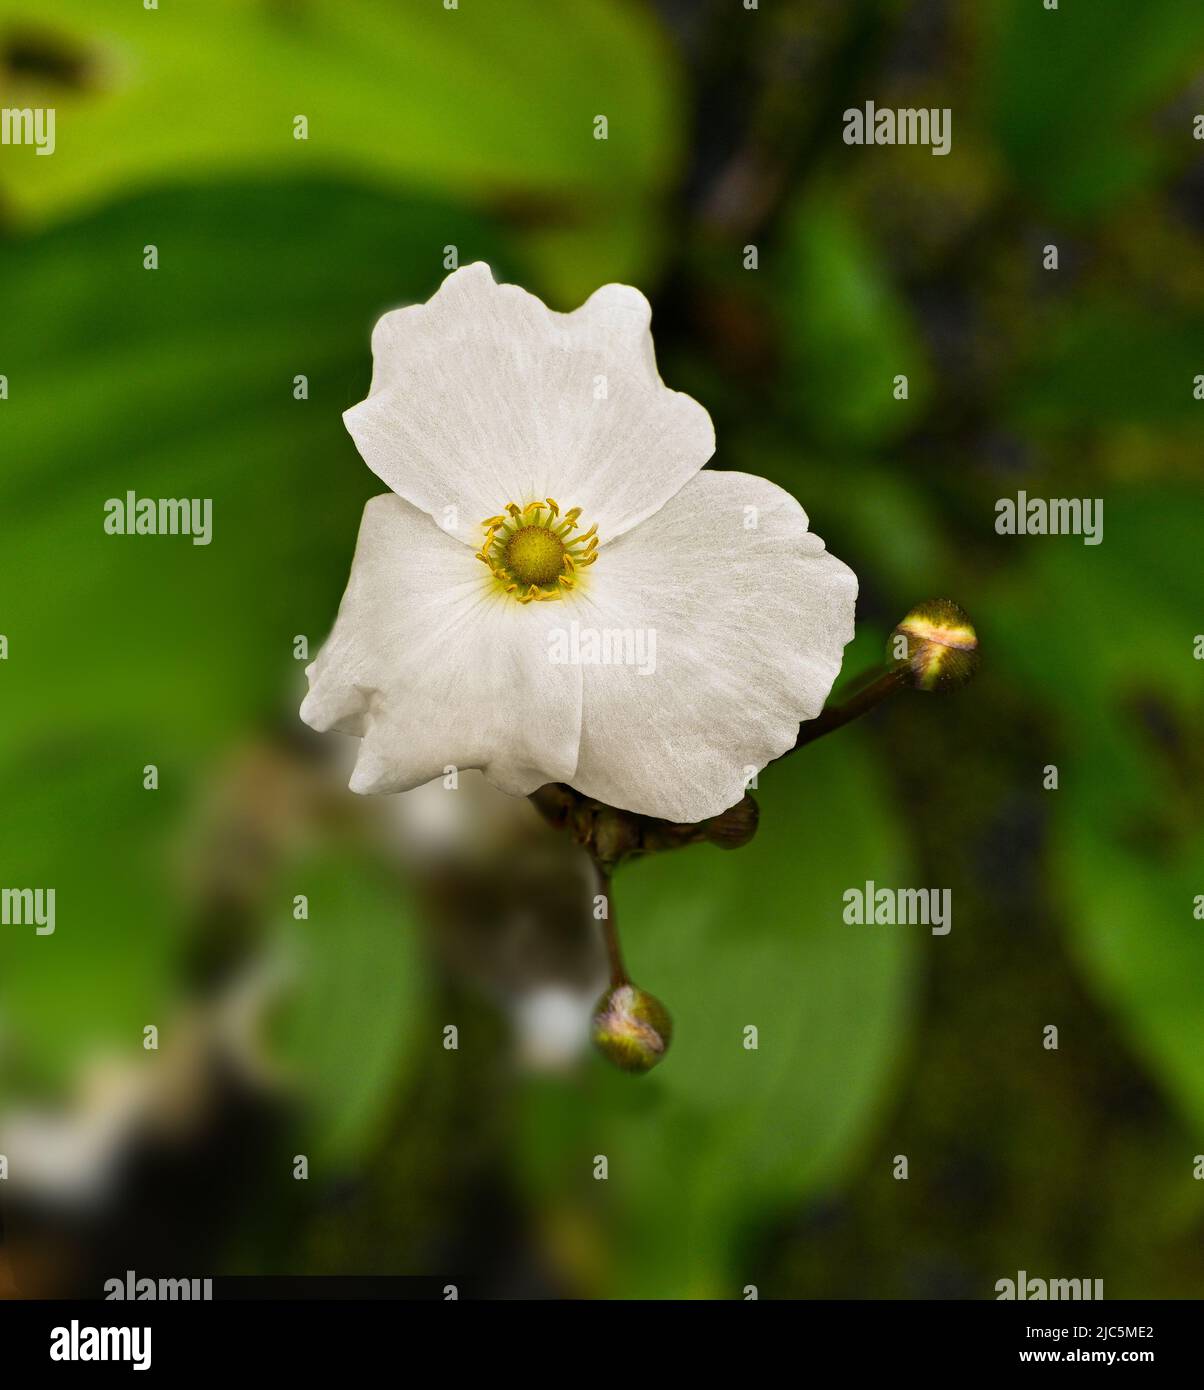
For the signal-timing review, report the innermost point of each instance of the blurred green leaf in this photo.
(489, 104)
(180, 382)
(718, 1134)
(1108, 364)
(1074, 91)
(125, 651)
(348, 1029)
(74, 819)
(1105, 636)
(849, 331)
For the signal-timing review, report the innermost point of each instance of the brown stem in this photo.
(836, 716)
(618, 971)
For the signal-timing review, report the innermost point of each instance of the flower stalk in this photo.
(610, 932)
(870, 694)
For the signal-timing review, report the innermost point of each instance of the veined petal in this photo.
(728, 619)
(431, 669)
(484, 396)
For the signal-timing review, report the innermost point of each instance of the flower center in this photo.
(532, 552)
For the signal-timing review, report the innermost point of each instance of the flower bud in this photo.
(935, 646)
(632, 1028)
(555, 803)
(615, 835)
(734, 827)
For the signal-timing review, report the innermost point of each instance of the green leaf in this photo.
(131, 650)
(1074, 93)
(720, 1134)
(849, 331)
(180, 382)
(349, 1027)
(1107, 364)
(1113, 655)
(75, 820)
(487, 104)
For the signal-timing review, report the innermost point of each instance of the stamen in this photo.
(529, 553)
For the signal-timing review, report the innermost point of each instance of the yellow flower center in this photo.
(533, 553)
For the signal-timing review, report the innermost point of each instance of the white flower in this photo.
(553, 591)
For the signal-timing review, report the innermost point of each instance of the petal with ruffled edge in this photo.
(750, 615)
(431, 669)
(484, 396)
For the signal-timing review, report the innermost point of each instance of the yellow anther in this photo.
(523, 544)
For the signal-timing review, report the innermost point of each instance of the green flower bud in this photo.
(935, 646)
(632, 1028)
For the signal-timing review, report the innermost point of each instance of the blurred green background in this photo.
(474, 128)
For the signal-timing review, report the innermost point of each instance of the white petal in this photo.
(750, 615)
(432, 670)
(485, 396)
